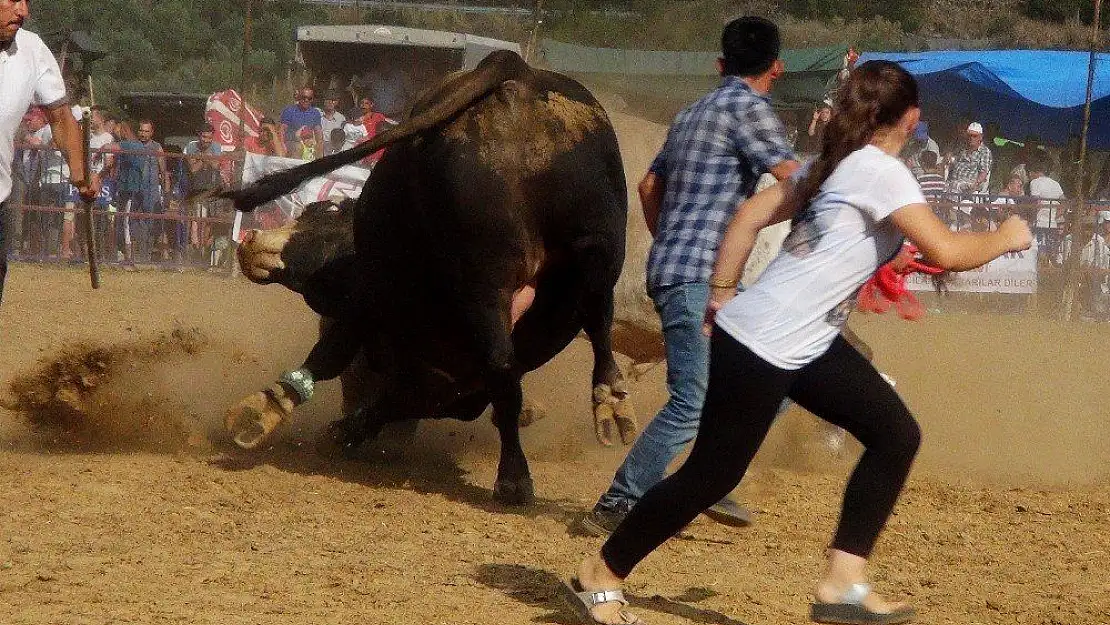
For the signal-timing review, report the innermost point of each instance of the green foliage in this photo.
(1060, 11)
(191, 46)
(908, 13)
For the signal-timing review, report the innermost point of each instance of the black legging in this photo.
(744, 394)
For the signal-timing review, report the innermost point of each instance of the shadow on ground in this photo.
(538, 588)
(389, 465)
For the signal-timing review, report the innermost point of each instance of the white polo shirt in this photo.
(28, 75)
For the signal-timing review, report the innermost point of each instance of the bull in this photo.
(490, 233)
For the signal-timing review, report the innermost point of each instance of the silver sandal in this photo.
(850, 610)
(582, 601)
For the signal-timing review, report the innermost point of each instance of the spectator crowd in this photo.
(157, 205)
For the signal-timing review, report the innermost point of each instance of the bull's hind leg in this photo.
(600, 266)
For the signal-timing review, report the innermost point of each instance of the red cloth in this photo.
(888, 286)
(371, 123)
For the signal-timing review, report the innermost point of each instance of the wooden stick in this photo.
(90, 226)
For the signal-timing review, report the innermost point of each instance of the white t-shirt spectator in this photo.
(353, 133)
(328, 125)
(29, 75)
(96, 142)
(796, 308)
(1047, 189)
(55, 170)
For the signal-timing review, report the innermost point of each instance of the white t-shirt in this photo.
(796, 308)
(1046, 188)
(97, 141)
(28, 75)
(328, 125)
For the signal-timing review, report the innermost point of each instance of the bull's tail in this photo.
(452, 98)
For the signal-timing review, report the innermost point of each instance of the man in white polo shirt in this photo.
(30, 75)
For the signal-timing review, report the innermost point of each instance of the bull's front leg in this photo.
(253, 420)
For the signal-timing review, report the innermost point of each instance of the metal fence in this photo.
(147, 219)
(158, 221)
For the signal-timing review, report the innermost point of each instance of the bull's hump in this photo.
(521, 130)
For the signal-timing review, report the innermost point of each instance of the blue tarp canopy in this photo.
(1025, 92)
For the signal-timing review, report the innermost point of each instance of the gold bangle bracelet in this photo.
(717, 283)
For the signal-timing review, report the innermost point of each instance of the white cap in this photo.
(975, 127)
(1103, 217)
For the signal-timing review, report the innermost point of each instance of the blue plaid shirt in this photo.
(716, 150)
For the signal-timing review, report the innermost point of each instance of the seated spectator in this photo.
(917, 147)
(978, 220)
(931, 181)
(1011, 200)
(971, 165)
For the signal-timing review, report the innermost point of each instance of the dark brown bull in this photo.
(490, 234)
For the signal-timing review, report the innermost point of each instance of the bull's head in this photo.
(311, 256)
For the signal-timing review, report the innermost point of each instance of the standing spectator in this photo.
(302, 115)
(144, 183)
(53, 192)
(1049, 193)
(32, 164)
(270, 139)
(971, 167)
(372, 123)
(821, 116)
(331, 120)
(100, 137)
(1094, 258)
(713, 157)
(305, 148)
(204, 178)
(1030, 150)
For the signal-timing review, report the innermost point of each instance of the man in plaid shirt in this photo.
(971, 167)
(715, 152)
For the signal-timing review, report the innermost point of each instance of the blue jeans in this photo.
(681, 307)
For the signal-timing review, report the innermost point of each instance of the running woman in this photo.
(850, 210)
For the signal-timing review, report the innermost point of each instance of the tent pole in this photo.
(1077, 222)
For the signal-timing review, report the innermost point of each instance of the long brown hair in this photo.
(875, 95)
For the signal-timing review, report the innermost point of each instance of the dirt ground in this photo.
(1005, 520)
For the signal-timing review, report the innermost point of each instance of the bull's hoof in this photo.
(625, 416)
(613, 414)
(252, 420)
(345, 436)
(515, 493)
(531, 413)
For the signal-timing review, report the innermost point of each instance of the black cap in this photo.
(749, 46)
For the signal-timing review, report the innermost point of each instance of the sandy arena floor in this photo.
(1005, 520)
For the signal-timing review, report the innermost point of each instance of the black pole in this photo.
(1077, 225)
